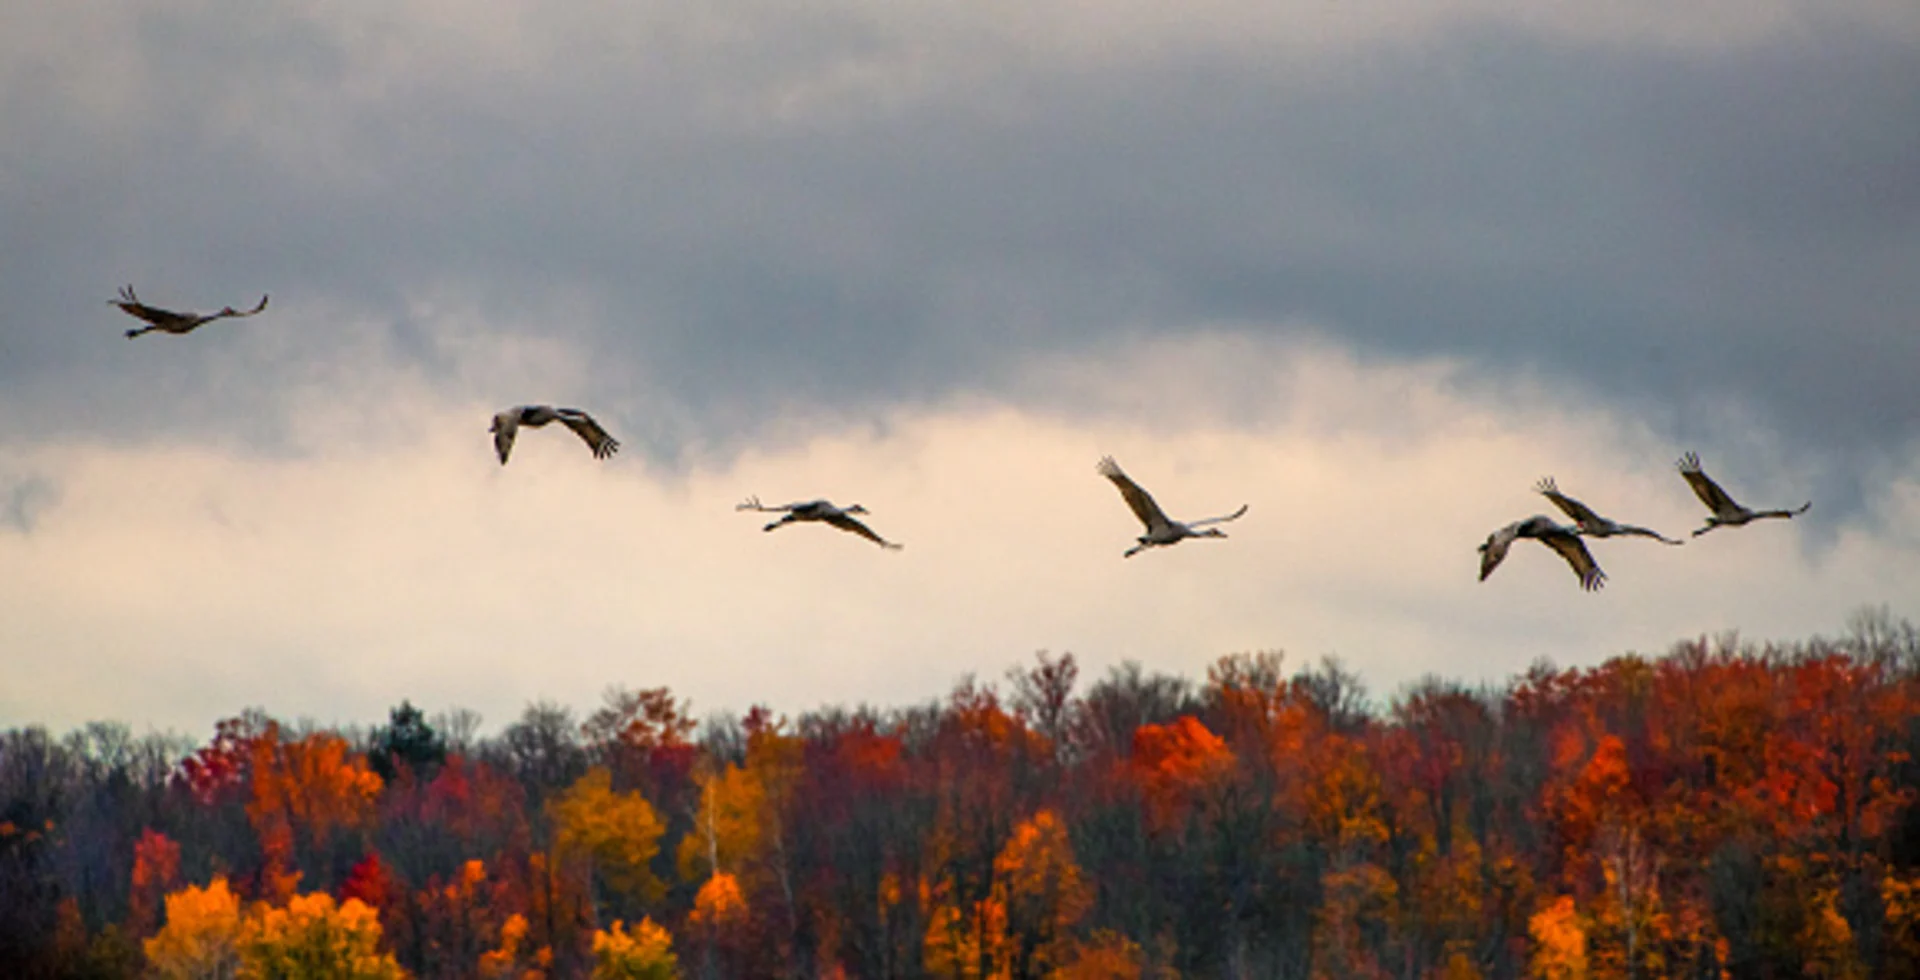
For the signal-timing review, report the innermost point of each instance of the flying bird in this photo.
(1161, 529)
(1725, 511)
(507, 424)
(819, 510)
(168, 321)
(1562, 539)
(1591, 524)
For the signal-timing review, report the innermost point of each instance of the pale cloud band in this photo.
(173, 584)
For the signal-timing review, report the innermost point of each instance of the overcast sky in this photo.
(1370, 267)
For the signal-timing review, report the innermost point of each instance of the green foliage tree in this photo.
(406, 744)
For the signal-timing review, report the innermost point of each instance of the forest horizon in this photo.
(1728, 808)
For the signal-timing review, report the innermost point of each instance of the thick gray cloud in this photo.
(732, 219)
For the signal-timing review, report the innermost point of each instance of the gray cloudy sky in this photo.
(1371, 267)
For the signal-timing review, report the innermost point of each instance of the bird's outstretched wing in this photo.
(129, 302)
(1236, 515)
(847, 522)
(1581, 513)
(231, 312)
(505, 426)
(1703, 486)
(1575, 552)
(1493, 551)
(1142, 503)
(1644, 532)
(583, 425)
(503, 441)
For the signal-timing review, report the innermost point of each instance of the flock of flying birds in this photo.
(1566, 540)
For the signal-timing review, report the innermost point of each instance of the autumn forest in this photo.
(1727, 809)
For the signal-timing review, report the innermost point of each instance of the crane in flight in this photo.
(1161, 529)
(169, 321)
(1565, 541)
(507, 424)
(1726, 513)
(822, 511)
(1591, 524)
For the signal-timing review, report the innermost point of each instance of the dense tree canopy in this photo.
(1727, 809)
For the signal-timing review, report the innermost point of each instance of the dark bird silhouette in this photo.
(1591, 524)
(507, 424)
(1564, 540)
(1726, 513)
(819, 510)
(1161, 529)
(168, 321)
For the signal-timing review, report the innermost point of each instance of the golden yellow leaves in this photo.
(1902, 898)
(617, 833)
(1022, 926)
(1042, 884)
(644, 954)
(727, 829)
(509, 961)
(206, 936)
(970, 945)
(313, 937)
(1559, 942)
(202, 935)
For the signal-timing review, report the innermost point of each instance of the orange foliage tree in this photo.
(1176, 764)
(304, 792)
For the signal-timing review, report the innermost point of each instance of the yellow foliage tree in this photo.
(1828, 940)
(738, 829)
(1043, 890)
(314, 939)
(1022, 927)
(201, 940)
(1559, 942)
(510, 960)
(971, 945)
(1459, 965)
(617, 833)
(644, 954)
(727, 830)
